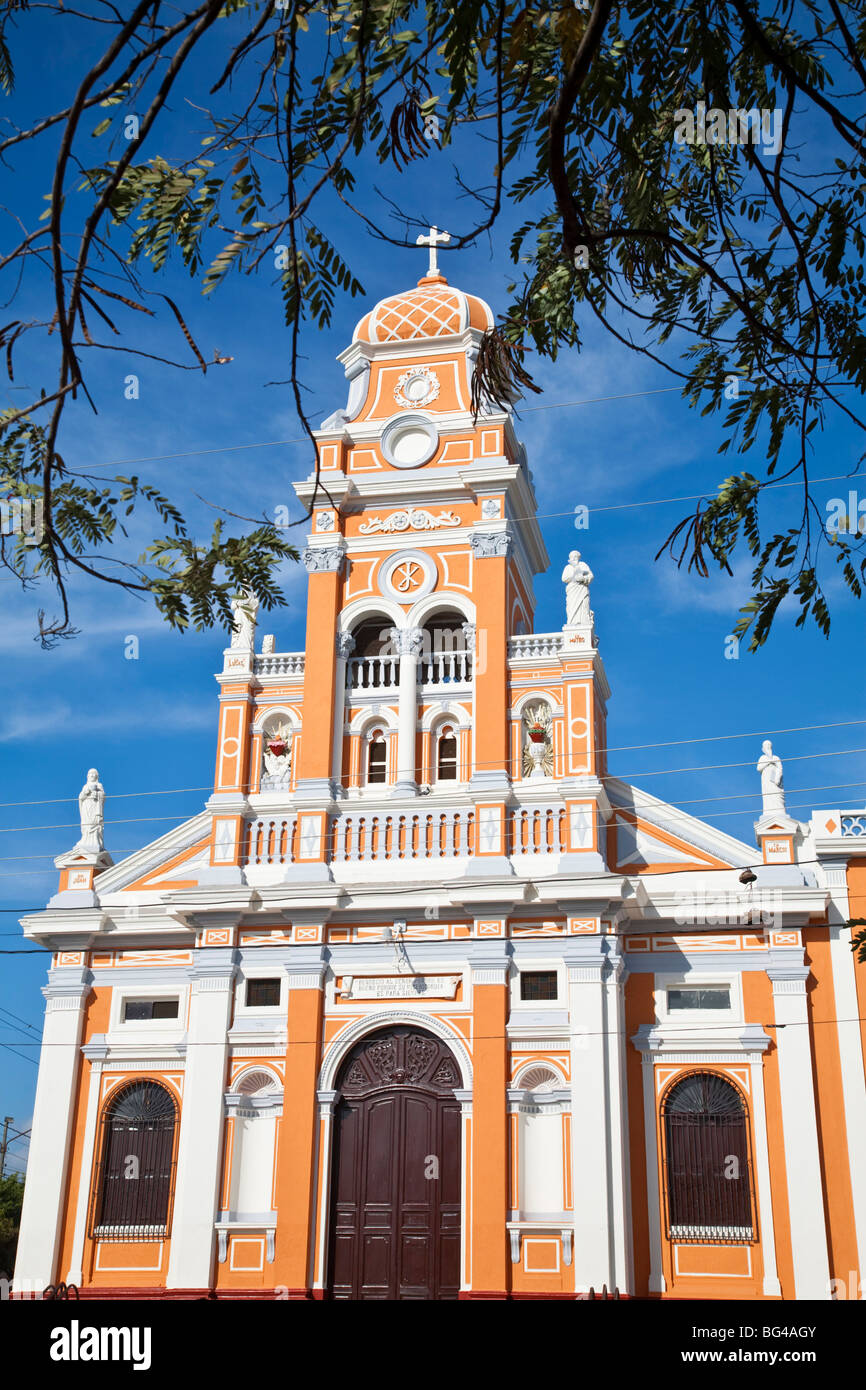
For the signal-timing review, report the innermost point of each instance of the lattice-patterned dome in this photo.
(434, 309)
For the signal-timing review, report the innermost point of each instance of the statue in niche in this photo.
(244, 608)
(772, 789)
(577, 577)
(91, 801)
(277, 758)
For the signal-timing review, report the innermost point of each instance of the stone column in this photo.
(345, 647)
(408, 642)
(599, 1148)
(51, 1131)
(200, 1144)
(297, 1145)
(800, 1128)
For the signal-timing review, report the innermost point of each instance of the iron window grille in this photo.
(377, 760)
(139, 1010)
(699, 997)
(539, 984)
(263, 994)
(134, 1187)
(708, 1182)
(446, 769)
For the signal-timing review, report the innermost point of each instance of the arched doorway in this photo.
(395, 1191)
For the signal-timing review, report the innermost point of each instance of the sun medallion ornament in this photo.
(416, 387)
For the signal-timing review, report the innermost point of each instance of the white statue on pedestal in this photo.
(244, 607)
(577, 577)
(772, 790)
(91, 801)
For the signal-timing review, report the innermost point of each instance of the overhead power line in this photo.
(611, 748)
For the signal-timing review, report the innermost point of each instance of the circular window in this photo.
(409, 441)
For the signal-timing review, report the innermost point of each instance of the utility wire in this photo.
(694, 801)
(620, 776)
(619, 748)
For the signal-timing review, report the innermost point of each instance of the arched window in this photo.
(708, 1179)
(446, 754)
(132, 1195)
(377, 757)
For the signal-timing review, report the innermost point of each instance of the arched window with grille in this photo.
(133, 1190)
(708, 1172)
(377, 757)
(446, 754)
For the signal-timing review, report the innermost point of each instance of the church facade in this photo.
(425, 1004)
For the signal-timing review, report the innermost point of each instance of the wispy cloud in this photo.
(168, 715)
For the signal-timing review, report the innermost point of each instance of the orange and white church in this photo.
(424, 1004)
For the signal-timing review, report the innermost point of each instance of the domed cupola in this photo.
(434, 309)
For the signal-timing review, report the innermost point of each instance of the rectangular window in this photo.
(262, 994)
(137, 1010)
(703, 997)
(538, 984)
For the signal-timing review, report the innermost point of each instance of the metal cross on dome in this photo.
(436, 238)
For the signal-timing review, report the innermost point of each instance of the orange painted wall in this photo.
(491, 738)
(296, 1142)
(857, 908)
(490, 1160)
(97, 1012)
(320, 674)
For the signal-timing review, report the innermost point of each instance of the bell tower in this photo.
(423, 550)
(426, 726)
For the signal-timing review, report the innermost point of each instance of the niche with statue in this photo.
(538, 744)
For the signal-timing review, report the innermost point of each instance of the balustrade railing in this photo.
(538, 830)
(273, 840)
(279, 664)
(364, 836)
(386, 836)
(445, 668)
(373, 672)
(535, 644)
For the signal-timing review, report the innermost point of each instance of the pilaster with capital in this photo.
(323, 663)
(200, 1142)
(600, 1171)
(51, 1129)
(788, 974)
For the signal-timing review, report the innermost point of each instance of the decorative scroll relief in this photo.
(399, 987)
(411, 519)
(418, 386)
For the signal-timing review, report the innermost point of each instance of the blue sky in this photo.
(149, 724)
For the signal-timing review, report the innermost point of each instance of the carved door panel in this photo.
(395, 1205)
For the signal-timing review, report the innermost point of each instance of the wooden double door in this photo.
(395, 1192)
